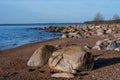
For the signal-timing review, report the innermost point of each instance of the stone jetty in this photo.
(85, 31)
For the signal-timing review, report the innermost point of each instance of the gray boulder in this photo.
(70, 59)
(113, 45)
(41, 55)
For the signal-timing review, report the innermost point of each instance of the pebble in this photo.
(62, 75)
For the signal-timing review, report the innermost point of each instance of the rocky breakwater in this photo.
(66, 62)
(85, 31)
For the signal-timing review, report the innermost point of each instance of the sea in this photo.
(14, 35)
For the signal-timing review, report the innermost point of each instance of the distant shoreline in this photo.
(37, 24)
(97, 22)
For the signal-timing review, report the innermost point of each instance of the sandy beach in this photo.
(13, 62)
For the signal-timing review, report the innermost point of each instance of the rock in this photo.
(97, 47)
(99, 42)
(41, 56)
(88, 47)
(109, 31)
(63, 75)
(64, 36)
(71, 35)
(117, 35)
(70, 59)
(98, 26)
(117, 49)
(64, 31)
(113, 45)
(100, 32)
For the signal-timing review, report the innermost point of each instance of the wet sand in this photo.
(13, 62)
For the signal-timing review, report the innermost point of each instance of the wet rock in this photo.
(70, 59)
(62, 75)
(41, 56)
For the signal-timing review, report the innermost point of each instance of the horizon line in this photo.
(39, 23)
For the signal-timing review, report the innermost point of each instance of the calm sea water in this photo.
(16, 35)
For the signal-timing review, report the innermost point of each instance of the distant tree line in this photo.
(99, 19)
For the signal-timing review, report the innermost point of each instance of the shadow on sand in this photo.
(103, 62)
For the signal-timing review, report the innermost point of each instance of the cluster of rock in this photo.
(108, 44)
(68, 60)
(85, 31)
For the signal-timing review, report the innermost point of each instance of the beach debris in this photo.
(41, 55)
(70, 59)
(63, 75)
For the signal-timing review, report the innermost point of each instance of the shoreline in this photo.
(13, 62)
(30, 43)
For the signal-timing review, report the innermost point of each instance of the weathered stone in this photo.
(41, 56)
(117, 49)
(99, 42)
(109, 31)
(97, 47)
(63, 75)
(70, 59)
(88, 47)
(113, 45)
(117, 35)
(64, 36)
(100, 32)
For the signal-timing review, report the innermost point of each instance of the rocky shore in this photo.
(86, 31)
(70, 56)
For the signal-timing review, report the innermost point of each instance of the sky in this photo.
(55, 11)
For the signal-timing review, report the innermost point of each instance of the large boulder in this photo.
(71, 59)
(41, 55)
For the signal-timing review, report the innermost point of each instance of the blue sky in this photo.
(55, 11)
